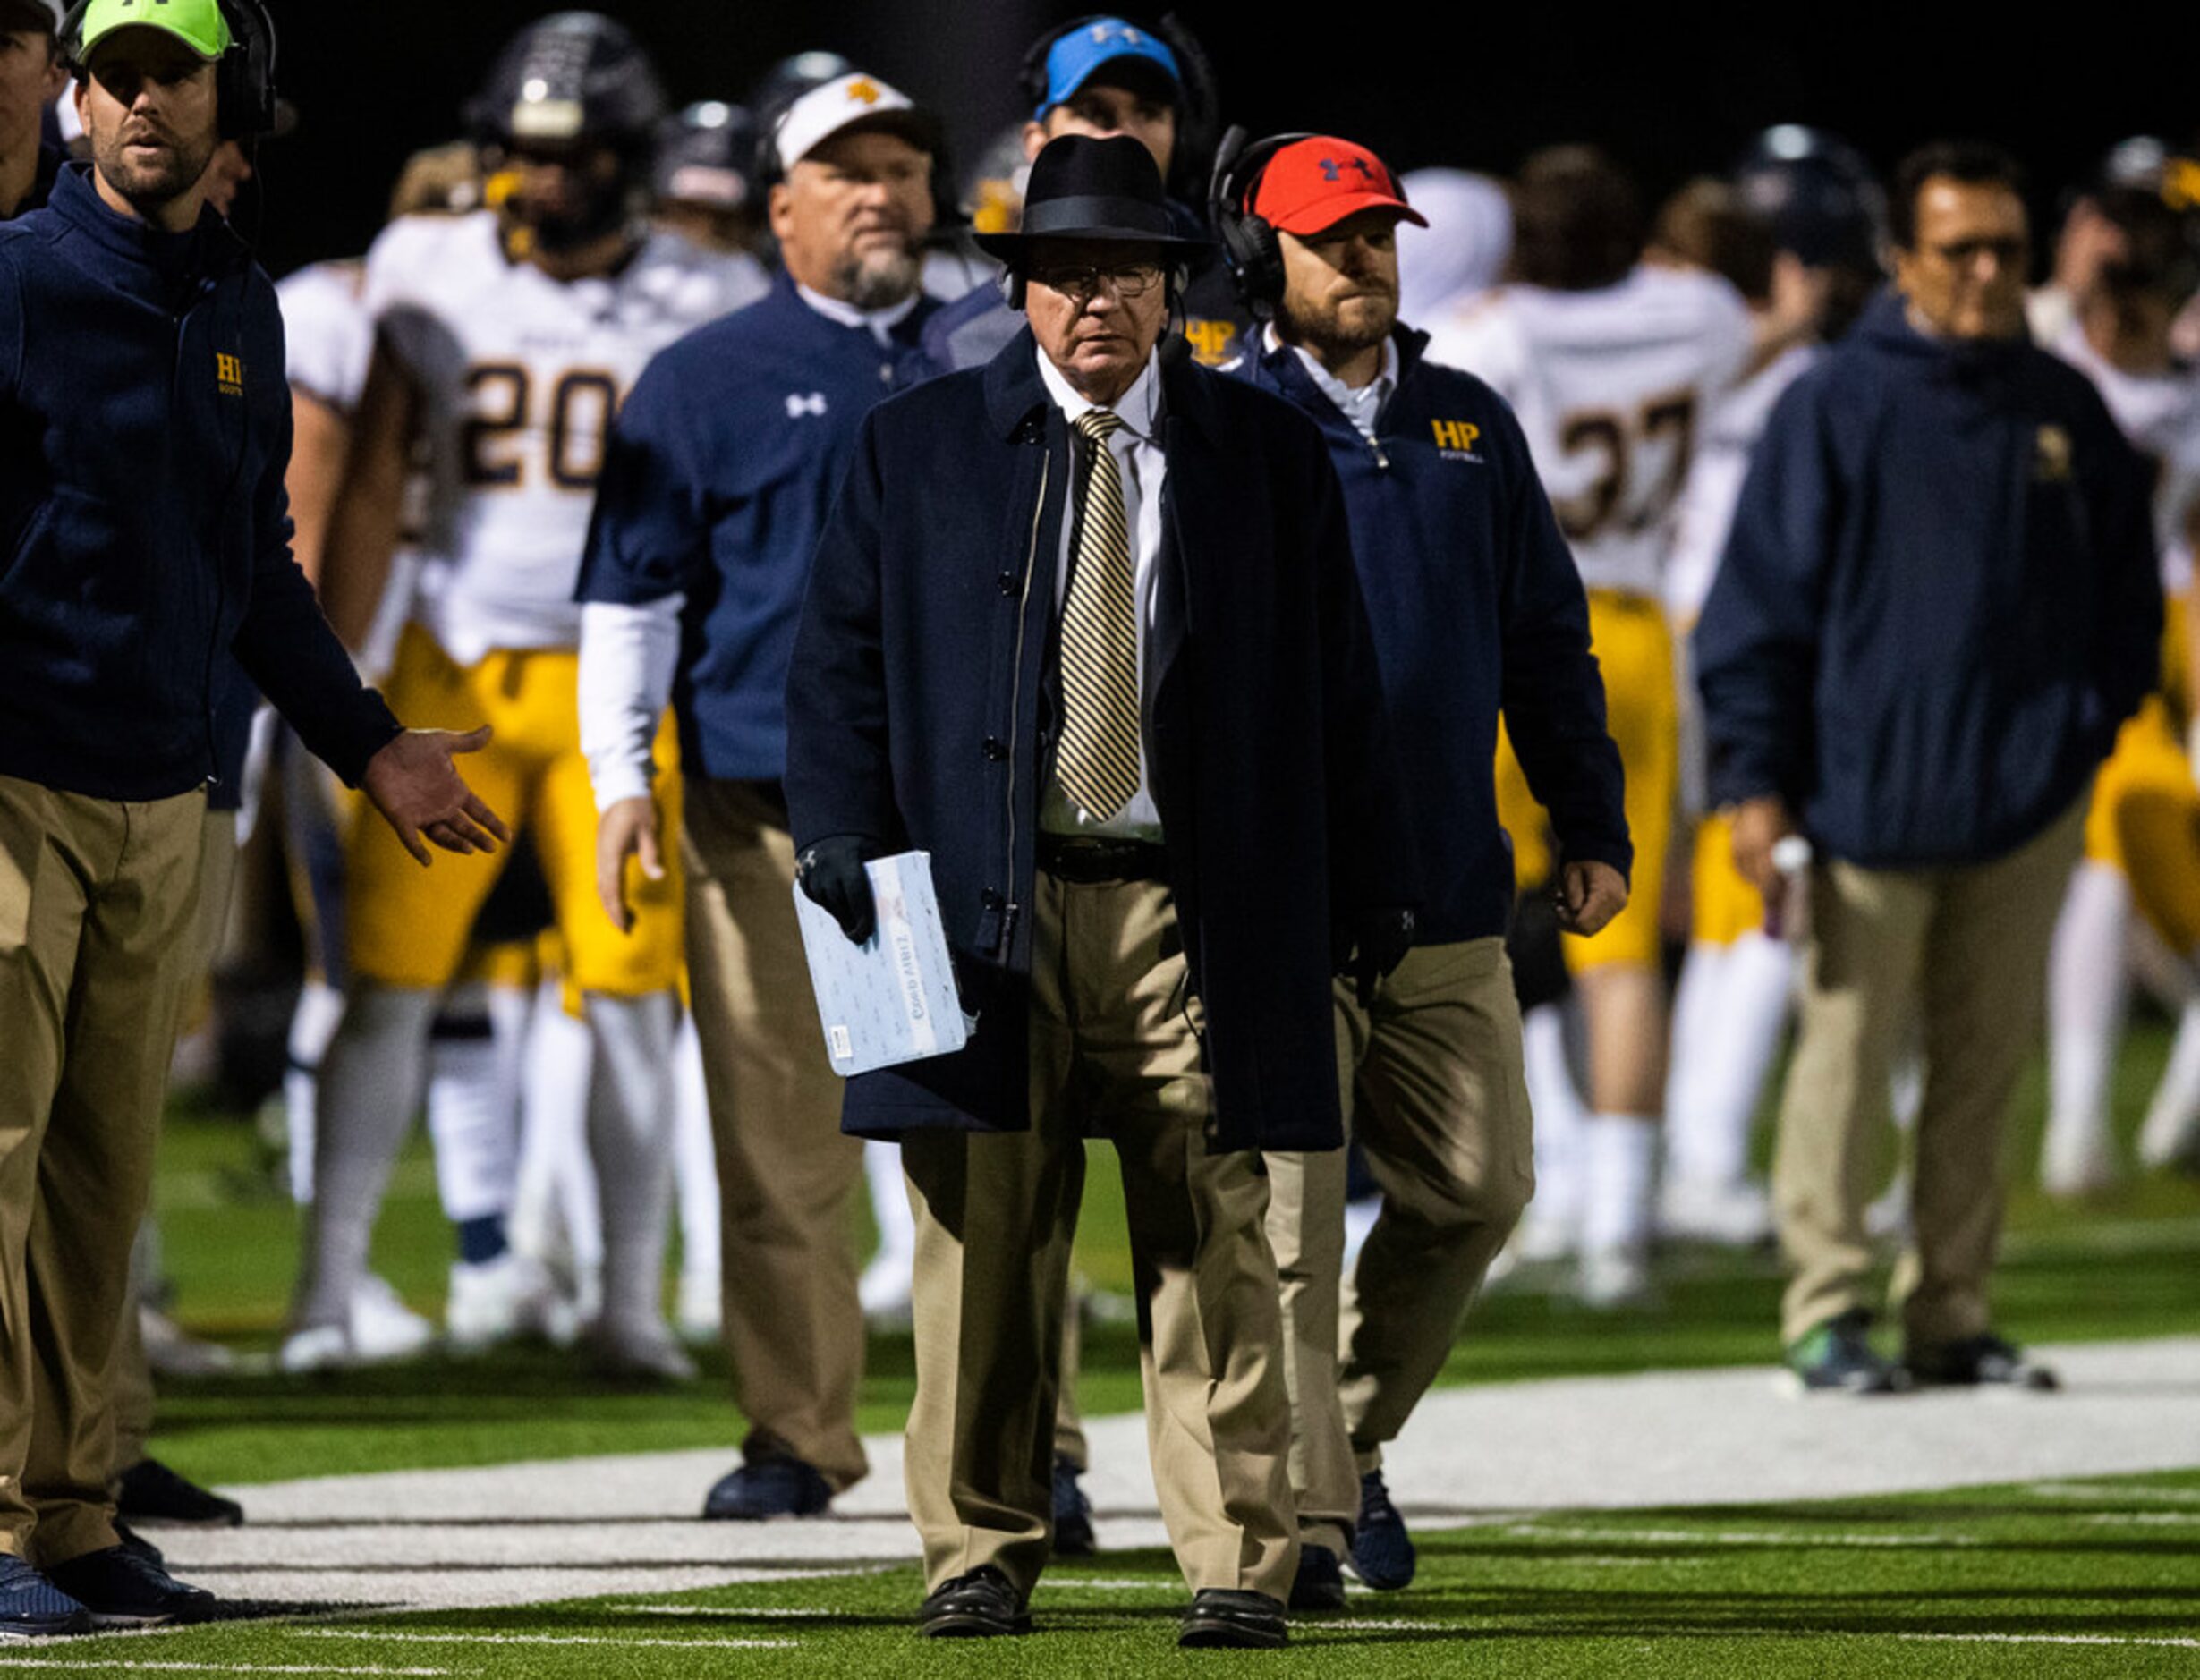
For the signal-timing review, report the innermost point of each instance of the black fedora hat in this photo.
(1085, 188)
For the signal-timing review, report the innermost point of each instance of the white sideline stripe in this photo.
(1725, 1536)
(742, 1610)
(2054, 1639)
(77, 1664)
(1111, 1583)
(2101, 1490)
(541, 1639)
(2143, 1519)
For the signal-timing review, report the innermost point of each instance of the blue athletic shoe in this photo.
(120, 1589)
(1382, 1551)
(770, 1488)
(32, 1607)
(1073, 1514)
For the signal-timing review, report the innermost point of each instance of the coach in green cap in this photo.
(144, 431)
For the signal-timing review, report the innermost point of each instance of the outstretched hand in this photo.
(422, 797)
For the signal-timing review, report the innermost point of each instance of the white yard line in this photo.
(1731, 1537)
(737, 1611)
(78, 1665)
(398, 1637)
(2054, 1639)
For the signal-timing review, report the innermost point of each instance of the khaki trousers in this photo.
(787, 1177)
(134, 1373)
(1963, 951)
(1433, 1087)
(97, 900)
(1115, 1049)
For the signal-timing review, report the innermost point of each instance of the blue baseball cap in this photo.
(1083, 50)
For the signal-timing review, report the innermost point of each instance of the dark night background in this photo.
(1672, 92)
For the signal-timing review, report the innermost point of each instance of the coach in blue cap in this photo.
(1083, 626)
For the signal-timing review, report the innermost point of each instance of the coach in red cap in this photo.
(1476, 610)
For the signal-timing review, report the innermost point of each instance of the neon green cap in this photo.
(199, 24)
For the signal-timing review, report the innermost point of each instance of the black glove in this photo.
(831, 873)
(1380, 941)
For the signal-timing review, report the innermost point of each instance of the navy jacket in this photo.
(1475, 605)
(144, 432)
(718, 478)
(915, 717)
(1938, 602)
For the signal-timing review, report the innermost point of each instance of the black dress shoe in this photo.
(133, 1541)
(979, 1605)
(148, 1491)
(1222, 1619)
(1979, 1361)
(1319, 1583)
(121, 1589)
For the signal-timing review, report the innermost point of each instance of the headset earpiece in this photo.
(1250, 248)
(1015, 286)
(245, 77)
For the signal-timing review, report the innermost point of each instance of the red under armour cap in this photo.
(1312, 185)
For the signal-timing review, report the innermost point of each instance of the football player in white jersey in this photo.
(1825, 216)
(2143, 832)
(506, 341)
(1612, 366)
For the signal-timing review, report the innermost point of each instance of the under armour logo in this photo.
(798, 405)
(1103, 33)
(1331, 170)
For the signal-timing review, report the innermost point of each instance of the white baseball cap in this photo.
(846, 102)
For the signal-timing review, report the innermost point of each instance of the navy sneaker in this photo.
(1319, 1583)
(1382, 1551)
(979, 1605)
(1837, 1358)
(1979, 1361)
(148, 1491)
(1222, 1619)
(1073, 1514)
(133, 1541)
(770, 1488)
(32, 1607)
(121, 1589)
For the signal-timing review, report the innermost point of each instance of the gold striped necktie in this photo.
(1097, 762)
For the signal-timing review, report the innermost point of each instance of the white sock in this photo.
(1756, 994)
(889, 1204)
(369, 1085)
(2174, 1113)
(630, 1140)
(1554, 1098)
(1697, 1032)
(1619, 1159)
(474, 1111)
(554, 1215)
(312, 1023)
(696, 1159)
(2087, 990)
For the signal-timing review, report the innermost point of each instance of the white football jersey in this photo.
(1705, 512)
(2160, 413)
(1613, 386)
(326, 332)
(521, 376)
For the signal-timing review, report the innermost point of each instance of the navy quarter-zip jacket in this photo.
(1475, 606)
(144, 432)
(1938, 603)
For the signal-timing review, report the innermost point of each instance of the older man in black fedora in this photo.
(1084, 626)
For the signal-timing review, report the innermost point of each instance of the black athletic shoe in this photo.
(1382, 1550)
(1319, 1583)
(770, 1488)
(151, 1492)
(1221, 1619)
(979, 1605)
(32, 1607)
(121, 1589)
(131, 1540)
(1837, 1358)
(1979, 1361)
(1073, 1514)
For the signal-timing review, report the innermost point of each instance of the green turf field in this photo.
(2098, 1578)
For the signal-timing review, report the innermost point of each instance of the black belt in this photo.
(1087, 862)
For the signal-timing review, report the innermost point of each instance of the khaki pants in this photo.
(1961, 951)
(97, 905)
(1114, 1050)
(787, 1177)
(133, 1374)
(1441, 1113)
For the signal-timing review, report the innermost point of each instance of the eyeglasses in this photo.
(1962, 253)
(1081, 284)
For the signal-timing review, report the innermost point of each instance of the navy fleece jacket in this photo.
(144, 432)
(1938, 603)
